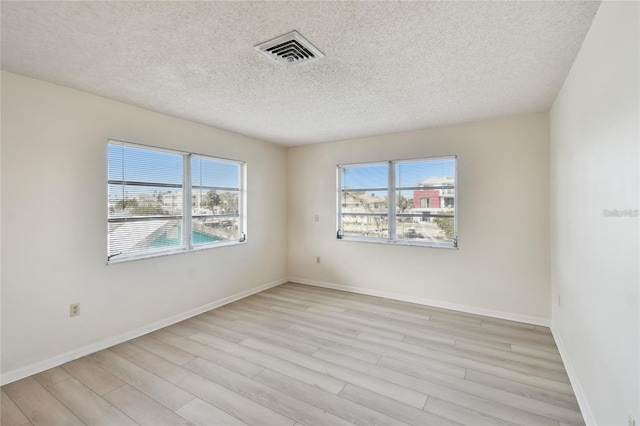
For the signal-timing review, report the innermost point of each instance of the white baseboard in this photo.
(589, 420)
(428, 302)
(38, 367)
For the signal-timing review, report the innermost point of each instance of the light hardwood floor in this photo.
(300, 355)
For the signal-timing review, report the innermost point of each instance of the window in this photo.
(163, 201)
(404, 202)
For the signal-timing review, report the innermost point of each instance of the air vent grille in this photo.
(290, 50)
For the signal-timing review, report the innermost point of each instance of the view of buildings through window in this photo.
(423, 192)
(146, 201)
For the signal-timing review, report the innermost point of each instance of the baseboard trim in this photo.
(427, 302)
(38, 367)
(585, 408)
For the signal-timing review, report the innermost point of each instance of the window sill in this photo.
(132, 258)
(431, 244)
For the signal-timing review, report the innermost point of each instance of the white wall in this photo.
(54, 217)
(502, 265)
(594, 166)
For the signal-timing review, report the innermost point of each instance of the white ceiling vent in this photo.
(290, 50)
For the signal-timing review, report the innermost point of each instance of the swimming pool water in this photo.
(175, 239)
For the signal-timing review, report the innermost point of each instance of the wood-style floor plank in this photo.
(509, 355)
(93, 376)
(396, 392)
(384, 327)
(52, 376)
(468, 359)
(88, 405)
(318, 329)
(273, 399)
(336, 405)
(440, 331)
(494, 394)
(551, 397)
(10, 414)
(170, 353)
(444, 388)
(536, 352)
(201, 323)
(204, 414)
(336, 321)
(323, 381)
(140, 378)
(260, 333)
(434, 364)
(39, 405)
(143, 409)
(392, 408)
(225, 399)
(254, 321)
(302, 355)
(197, 349)
(462, 414)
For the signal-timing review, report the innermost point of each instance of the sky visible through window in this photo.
(212, 173)
(408, 174)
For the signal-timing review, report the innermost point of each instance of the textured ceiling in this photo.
(389, 66)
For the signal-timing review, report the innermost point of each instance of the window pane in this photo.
(144, 200)
(425, 200)
(364, 200)
(215, 201)
(213, 229)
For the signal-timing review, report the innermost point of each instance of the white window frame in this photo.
(391, 205)
(187, 213)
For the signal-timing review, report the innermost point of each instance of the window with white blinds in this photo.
(403, 202)
(162, 201)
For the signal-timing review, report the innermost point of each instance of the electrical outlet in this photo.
(317, 218)
(318, 259)
(74, 309)
(630, 420)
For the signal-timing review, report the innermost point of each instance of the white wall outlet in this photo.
(317, 218)
(317, 259)
(74, 309)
